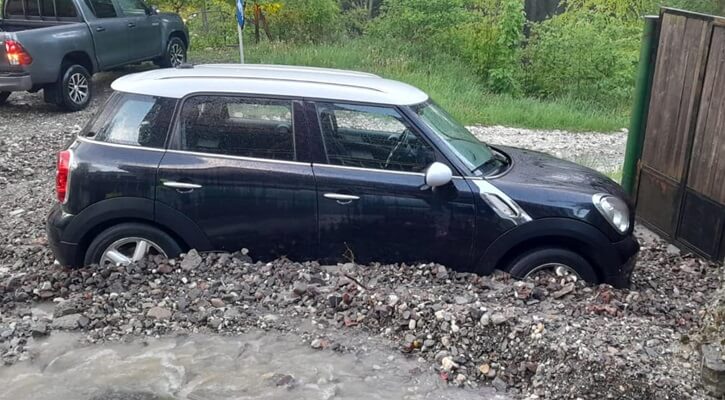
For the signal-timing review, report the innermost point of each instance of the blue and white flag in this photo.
(240, 13)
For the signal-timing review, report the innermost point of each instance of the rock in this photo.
(441, 272)
(319, 344)
(165, 269)
(159, 313)
(713, 370)
(38, 329)
(498, 318)
(299, 288)
(566, 289)
(191, 260)
(484, 369)
(66, 308)
(411, 324)
(499, 384)
(217, 303)
(448, 364)
(69, 322)
(460, 300)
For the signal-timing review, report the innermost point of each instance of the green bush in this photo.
(306, 21)
(583, 55)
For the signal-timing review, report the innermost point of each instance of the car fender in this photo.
(134, 208)
(591, 243)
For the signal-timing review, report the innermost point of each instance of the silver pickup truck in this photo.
(56, 45)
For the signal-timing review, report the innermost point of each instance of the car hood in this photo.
(534, 169)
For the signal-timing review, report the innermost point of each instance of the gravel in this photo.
(543, 338)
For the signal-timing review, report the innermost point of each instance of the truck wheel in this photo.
(3, 97)
(554, 259)
(74, 88)
(175, 54)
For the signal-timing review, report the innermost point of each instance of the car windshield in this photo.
(477, 156)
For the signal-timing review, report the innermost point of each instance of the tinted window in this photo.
(65, 9)
(14, 7)
(371, 137)
(102, 8)
(133, 120)
(132, 7)
(32, 9)
(238, 127)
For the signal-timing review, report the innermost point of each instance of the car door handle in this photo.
(131, 25)
(341, 198)
(100, 29)
(182, 186)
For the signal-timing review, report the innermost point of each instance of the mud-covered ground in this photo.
(539, 339)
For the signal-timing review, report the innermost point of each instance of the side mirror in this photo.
(438, 174)
(153, 10)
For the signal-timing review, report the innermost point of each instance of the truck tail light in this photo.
(16, 53)
(62, 175)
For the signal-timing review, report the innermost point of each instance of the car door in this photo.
(236, 167)
(109, 33)
(143, 30)
(373, 205)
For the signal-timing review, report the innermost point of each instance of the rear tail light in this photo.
(16, 53)
(62, 175)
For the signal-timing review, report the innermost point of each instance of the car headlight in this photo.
(614, 210)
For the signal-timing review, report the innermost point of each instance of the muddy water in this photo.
(253, 366)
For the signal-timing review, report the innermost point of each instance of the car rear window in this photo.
(134, 120)
(45, 9)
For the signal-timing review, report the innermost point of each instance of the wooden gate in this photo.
(681, 185)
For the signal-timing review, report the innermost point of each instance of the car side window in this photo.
(372, 137)
(132, 119)
(237, 126)
(102, 8)
(132, 7)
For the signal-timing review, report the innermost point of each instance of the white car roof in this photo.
(274, 80)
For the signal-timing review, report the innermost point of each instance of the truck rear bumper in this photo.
(15, 82)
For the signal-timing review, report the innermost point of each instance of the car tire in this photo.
(131, 230)
(174, 55)
(4, 96)
(549, 257)
(74, 90)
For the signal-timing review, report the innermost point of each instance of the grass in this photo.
(446, 80)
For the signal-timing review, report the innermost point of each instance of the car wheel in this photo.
(126, 243)
(560, 261)
(4, 96)
(74, 88)
(175, 54)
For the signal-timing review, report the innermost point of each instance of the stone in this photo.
(299, 288)
(69, 322)
(38, 329)
(217, 303)
(460, 300)
(164, 269)
(498, 318)
(713, 370)
(568, 288)
(448, 364)
(499, 384)
(159, 313)
(66, 308)
(191, 260)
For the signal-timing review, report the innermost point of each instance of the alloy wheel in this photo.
(176, 54)
(129, 250)
(78, 88)
(559, 269)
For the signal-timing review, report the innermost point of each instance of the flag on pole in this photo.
(240, 13)
(240, 26)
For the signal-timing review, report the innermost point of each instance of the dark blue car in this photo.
(328, 165)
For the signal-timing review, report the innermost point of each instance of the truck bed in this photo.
(18, 25)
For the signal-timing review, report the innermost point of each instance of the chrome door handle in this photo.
(182, 185)
(341, 198)
(131, 25)
(100, 29)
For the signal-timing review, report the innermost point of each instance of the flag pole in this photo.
(240, 26)
(241, 44)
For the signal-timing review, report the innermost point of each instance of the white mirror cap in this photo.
(438, 174)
